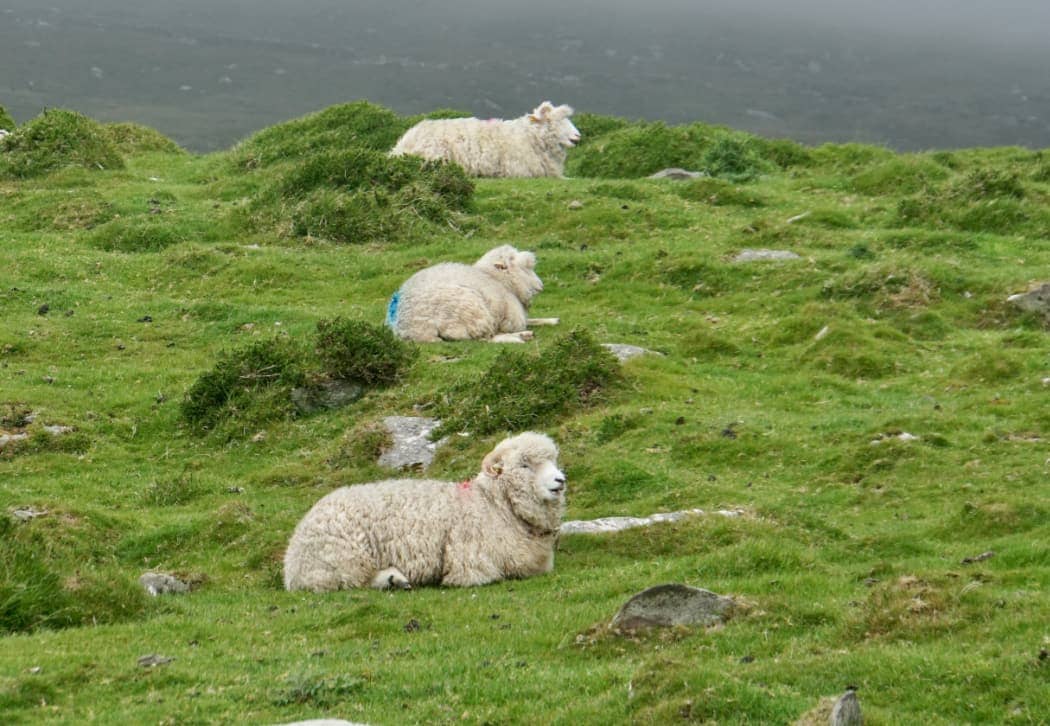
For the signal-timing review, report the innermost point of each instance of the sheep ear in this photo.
(527, 260)
(492, 464)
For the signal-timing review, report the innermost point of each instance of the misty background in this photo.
(943, 74)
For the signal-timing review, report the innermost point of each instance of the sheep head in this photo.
(525, 469)
(556, 124)
(515, 270)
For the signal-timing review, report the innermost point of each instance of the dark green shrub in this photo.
(593, 126)
(354, 350)
(733, 158)
(132, 138)
(638, 150)
(256, 380)
(523, 390)
(58, 138)
(338, 128)
(6, 122)
(785, 153)
(135, 234)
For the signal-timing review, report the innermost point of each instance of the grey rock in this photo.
(153, 660)
(762, 255)
(617, 524)
(411, 447)
(846, 711)
(673, 604)
(6, 439)
(326, 395)
(24, 514)
(161, 583)
(1036, 300)
(575, 204)
(624, 351)
(676, 173)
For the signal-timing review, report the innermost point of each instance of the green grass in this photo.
(782, 389)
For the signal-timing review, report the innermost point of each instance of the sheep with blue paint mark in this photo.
(488, 300)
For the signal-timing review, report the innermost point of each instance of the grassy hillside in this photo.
(142, 286)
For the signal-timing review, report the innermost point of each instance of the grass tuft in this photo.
(55, 139)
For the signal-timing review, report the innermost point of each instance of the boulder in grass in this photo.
(672, 605)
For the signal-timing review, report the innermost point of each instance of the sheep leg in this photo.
(532, 322)
(512, 337)
(391, 579)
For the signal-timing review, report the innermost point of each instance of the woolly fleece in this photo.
(530, 146)
(453, 301)
(501, 524)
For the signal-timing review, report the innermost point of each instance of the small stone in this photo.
(846, 711)
(24, 514)
(1035, 300)
(43, 309)
(748, 255)
(624, 351)
(671, 605)
(161, 583)
(153, 660)
(411, 447)
(575, 204)
(676, 174)
(326, 395)
(978, 558)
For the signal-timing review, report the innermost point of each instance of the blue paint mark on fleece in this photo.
(391, 310)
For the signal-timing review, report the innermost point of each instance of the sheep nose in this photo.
(560, 478)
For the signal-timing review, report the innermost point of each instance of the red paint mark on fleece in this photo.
(464, 486)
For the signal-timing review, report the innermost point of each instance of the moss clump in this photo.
(56, 139)
(253, 382)
(338, 128)
(354, 350)
(717, 192)
(522, 390)
(135, 234)
(132, 138)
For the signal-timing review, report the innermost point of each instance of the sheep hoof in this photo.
(391, 579)
(533, 322)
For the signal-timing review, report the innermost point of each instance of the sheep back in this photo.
(491, 148)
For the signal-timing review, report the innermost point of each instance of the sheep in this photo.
(401, 533)
(533, 145)
(484, 301)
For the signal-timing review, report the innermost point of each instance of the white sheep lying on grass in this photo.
(501, 524)
(533, 145)
(484, 301)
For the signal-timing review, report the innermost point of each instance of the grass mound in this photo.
(359, 124)
(33, 594)
(522, 390)
(983, 200)
(360, 196)
(55, 139)
(135, 234)
(132, 138)
(903, 175)
(630, 150)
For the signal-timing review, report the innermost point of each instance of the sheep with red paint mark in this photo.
(503, 523)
